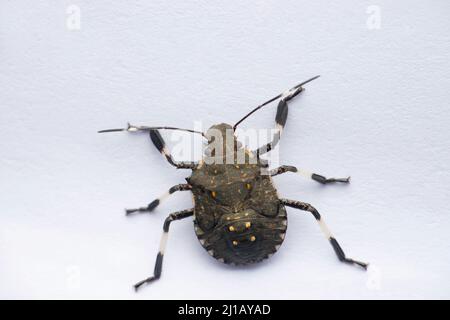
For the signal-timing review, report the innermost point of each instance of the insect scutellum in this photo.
(238, 216)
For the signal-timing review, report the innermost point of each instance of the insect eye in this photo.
(213, 194)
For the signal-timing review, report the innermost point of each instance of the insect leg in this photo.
(337, 248)
(152, 205)
(280, 119)
(159, 143)
(314, 176)
(159, 258)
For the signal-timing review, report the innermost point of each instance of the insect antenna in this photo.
(132, 128)
(289, 94)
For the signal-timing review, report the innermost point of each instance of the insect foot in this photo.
(148, 208)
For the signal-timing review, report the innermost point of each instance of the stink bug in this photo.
(238, 216)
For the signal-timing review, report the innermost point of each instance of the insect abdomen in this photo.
(244, 238)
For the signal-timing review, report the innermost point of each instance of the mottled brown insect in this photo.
(238, 216)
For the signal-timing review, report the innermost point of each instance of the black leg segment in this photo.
(280, 120)
(159, 143)
(159, 258)
(337, 248)
(282, 113)
(323, 180)
(282, 169)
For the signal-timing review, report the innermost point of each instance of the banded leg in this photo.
(159, 258)
(152, 205)
(316, 177)
(280, 119)
(337, 248)
(159, 143)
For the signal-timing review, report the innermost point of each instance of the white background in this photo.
(380, 112)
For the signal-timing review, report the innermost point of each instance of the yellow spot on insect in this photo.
(213, 194)
(246, 214)
(252, 238)
(248, 225)
(231, 228)
(248, 186)
(235, 243)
